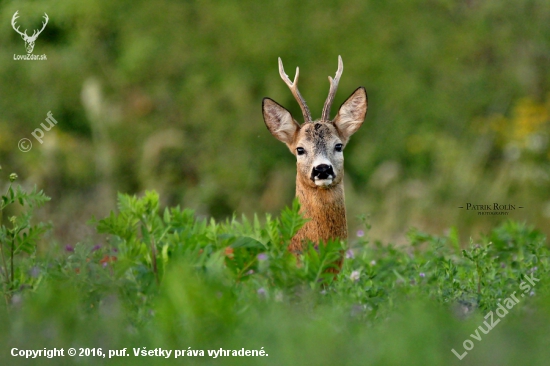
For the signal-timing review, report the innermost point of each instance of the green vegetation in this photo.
(19, 237)
(167, 279)
(165, 96)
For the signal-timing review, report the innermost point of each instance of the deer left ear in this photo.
(352, 114)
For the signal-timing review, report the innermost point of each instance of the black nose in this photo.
(322, 171)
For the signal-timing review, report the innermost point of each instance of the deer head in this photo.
(318, 145)
(29, 41)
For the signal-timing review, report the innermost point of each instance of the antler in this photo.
(34, 34)
(24, 34)
(332, 92)
(13, 19)
(293, 86)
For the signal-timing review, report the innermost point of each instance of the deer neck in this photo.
(326, 211)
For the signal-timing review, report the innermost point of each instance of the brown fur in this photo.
(327, 213)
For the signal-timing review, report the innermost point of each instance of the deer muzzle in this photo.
(322, 174)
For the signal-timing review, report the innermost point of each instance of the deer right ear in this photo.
(279, 121)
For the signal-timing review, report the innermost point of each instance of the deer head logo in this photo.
(29, 41)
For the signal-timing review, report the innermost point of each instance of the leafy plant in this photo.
(146, 240)
(19, 236)
(234, 283)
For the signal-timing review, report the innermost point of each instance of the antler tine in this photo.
(13, 20)
(43, 26)
(332, 92)
(293, 86)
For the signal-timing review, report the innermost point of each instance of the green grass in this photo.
(167, 279)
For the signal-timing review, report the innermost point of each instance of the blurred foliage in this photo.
(166, 95)
(234, 285)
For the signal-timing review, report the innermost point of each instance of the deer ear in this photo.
(352, 113)
(279, 121)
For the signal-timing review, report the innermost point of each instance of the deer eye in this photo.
(300, 150)
(338, 147)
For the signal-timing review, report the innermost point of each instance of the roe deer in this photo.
(318, 147)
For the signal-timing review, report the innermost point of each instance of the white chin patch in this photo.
(323, 182)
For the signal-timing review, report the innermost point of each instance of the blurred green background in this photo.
(166, 95)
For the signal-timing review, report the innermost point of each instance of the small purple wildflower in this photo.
(69, 248)
(262, 256)
(349, 254)
(422, 274)
(96, 247)
(261, 292)
(360, 233)
(34, 272)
